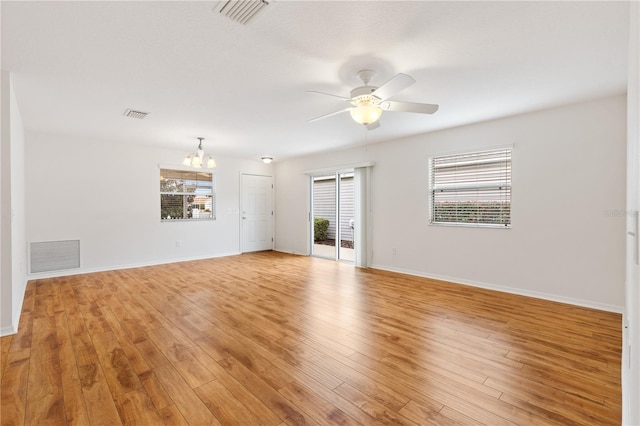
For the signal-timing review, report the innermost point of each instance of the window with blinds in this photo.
(472, 189)
(186, 195)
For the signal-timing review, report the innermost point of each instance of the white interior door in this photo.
(256, 213)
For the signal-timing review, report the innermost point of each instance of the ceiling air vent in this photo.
(241, 11)
(135, 114)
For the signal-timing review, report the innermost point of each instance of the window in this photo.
(472, 189)
(186, 195)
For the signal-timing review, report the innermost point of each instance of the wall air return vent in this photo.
(135, 114)
(50, 256)
(241, 11)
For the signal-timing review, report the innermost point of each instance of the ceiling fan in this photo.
(368, 102)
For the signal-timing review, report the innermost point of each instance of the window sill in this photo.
(187, 220)
(470, 225)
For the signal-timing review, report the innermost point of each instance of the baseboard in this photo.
(299, 253)
(70, 272)
(8, 330)
(15, 321)
(506, 289)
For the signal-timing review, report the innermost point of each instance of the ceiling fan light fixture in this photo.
(365, 113)
(370, 101)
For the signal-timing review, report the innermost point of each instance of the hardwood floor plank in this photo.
(241, 393)
(270, 338)
(421, 367)
(194, 326)
(266, 394)
(458, 417)
(320, 375)
(425, 415)
(135, 358)
(179, 356)
(383, 391)
(170, 333)
(5, 343)
(542, 415)
(147, 319)
(136, 408)
(45, 402)
(317, 407)
(375, 410)
(154, 389)
(151, 354)
(75, 410)
(22, 339)
(94, 319)
(45, 346)
(191, 407)
(68, 364)
(550, 396)
(222, 403)
(171, 416)
(13, 391)
(97, 396)
(212, 347)
(592, 388)
(119, 374)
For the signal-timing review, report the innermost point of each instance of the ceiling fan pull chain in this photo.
(366, 139)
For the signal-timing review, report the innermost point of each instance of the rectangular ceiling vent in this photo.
(241, 11)
(135, 114)
(47, 256)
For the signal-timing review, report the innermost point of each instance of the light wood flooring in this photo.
(271, 339)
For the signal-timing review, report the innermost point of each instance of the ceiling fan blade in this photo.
(409, 107)
(397, 83)
(373, 125)
(328, 115)
(328, 94)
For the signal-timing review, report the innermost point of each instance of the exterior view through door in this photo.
(256, 213)
(333, 212)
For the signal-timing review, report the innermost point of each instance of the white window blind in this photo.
(186, 195)
(472, 189)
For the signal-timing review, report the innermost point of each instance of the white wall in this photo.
(12, 228)
(107, 196)
(6, 326)
(631, 337)
(18, 225)
(568, 173)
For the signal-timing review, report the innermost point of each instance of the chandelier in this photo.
(199, 159)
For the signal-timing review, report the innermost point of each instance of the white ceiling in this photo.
(78, 65)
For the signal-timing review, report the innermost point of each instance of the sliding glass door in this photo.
(333, 213)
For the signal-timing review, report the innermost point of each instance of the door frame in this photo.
(337, 175)
(364, 217)
(240, 201)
